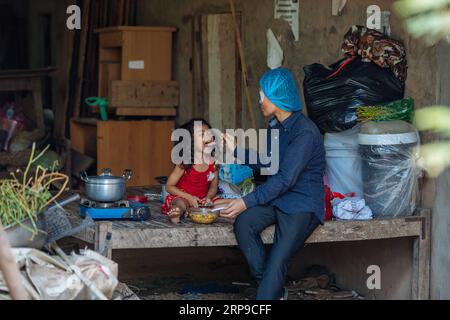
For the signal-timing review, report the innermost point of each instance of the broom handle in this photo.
(10, 270)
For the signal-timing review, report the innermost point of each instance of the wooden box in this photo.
(144, 146)
(134, 53)
(137, 94)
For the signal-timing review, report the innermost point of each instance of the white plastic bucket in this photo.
(344, 166)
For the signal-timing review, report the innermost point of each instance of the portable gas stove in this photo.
(121, 210)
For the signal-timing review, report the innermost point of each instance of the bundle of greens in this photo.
(396, 110)
(24, 198)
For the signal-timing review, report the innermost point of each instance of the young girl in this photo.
(192, 184)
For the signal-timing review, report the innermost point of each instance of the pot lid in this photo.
(106, 179)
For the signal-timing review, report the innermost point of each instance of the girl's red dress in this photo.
(193, 182)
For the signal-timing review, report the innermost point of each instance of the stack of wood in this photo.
(78, 76)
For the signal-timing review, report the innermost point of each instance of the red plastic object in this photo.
(328, 210)
(140, 199)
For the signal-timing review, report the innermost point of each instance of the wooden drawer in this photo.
(142, 94)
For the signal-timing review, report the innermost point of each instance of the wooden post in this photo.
(103, 238)
(421, 259)
(10, 270)
(244, 67)
(81, 58)
(37, 100)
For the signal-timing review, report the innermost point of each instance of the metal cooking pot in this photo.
(106, 187)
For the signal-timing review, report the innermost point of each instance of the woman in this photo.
(292, 198)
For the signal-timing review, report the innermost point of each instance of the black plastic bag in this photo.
(333, 96)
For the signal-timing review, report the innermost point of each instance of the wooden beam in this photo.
(244, 66)
(211, 236)
(63, 79)
(78, 94)
(421, 259)
(147, 112)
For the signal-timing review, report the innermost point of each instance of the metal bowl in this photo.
(20, 237)
(203, 215)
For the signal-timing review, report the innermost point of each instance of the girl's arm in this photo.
(213, 187)
(171, 186)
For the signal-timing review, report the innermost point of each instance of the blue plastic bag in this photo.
(235, 173)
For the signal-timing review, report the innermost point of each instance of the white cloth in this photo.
(275, 54)
(351, 209)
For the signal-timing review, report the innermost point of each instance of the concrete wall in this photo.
(440, 256)
(320, 39)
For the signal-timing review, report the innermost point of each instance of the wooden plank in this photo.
(111, 39)
(135, 29)
(217, 75)
(16, 84)
(244, 65)
(210, 236)
(85, 121)
(143, 146)
(159, 233)
(26, 73)
(37, 103)
(421, 260)
(102, 235)
(63, 79)
(160, 112)
(84, 137)
(136, 94)
(78, 94)
(154, 48)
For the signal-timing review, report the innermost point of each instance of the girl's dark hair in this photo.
(189, 126)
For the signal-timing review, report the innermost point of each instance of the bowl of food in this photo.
(204, 214)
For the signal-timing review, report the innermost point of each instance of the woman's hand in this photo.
(193, 201)
(233, 209)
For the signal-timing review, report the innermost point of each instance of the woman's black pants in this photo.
(291, 232)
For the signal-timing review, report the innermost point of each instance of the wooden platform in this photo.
(159, 233)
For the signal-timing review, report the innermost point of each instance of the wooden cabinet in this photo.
(143, 146)
(134, 53)
(135, 70)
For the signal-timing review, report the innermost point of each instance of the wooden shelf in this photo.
(159, 233)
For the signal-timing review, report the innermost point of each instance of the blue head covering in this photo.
(280, 88)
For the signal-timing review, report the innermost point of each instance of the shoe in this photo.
(285, 294)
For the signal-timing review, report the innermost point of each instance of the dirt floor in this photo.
(184, 289)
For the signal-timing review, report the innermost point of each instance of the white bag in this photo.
(47, 278)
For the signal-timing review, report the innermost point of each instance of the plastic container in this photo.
(344, 166)
(388, 152)
(235, 173)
